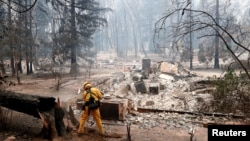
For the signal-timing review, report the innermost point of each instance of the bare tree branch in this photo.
(19, 5)
(203, 25)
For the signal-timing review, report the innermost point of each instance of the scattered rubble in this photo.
(160, 97)
(167, 97)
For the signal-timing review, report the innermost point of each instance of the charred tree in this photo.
(25, 103)
(216, 53)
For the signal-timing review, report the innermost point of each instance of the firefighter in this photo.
(96, 112)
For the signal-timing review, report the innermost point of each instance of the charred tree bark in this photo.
(2, 69)
(53, 122)
(26, 103)
(59, 115)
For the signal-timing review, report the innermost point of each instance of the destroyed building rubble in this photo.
(169, 96)
(159, 94)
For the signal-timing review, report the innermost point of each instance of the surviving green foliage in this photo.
(232, 93)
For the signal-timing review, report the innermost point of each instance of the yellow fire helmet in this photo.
(86, 85)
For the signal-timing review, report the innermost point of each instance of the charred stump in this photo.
(45, 108)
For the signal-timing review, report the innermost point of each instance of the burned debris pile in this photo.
(147, 94)
(5, 82)
(162, 94)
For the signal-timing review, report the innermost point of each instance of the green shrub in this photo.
(232, 94)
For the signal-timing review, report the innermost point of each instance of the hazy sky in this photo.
(237, 7)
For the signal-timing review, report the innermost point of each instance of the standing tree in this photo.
(79, 21)
(17, 12)
(190, 39)
(11, 41)
(216, 53)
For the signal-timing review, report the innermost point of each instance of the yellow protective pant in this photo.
(97, 116)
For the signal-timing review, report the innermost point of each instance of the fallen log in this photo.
(45, 108)
(26, 103)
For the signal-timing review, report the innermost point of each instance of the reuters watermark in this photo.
(235, 132)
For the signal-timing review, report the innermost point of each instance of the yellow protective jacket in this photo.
(95, 93)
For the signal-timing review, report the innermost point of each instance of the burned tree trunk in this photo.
(59, 115)
(25, 103)
(45, 108)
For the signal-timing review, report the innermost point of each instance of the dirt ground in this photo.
(25, 128)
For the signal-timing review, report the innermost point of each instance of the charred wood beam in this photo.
(145, 110)
(201, 84)
(205, 124)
